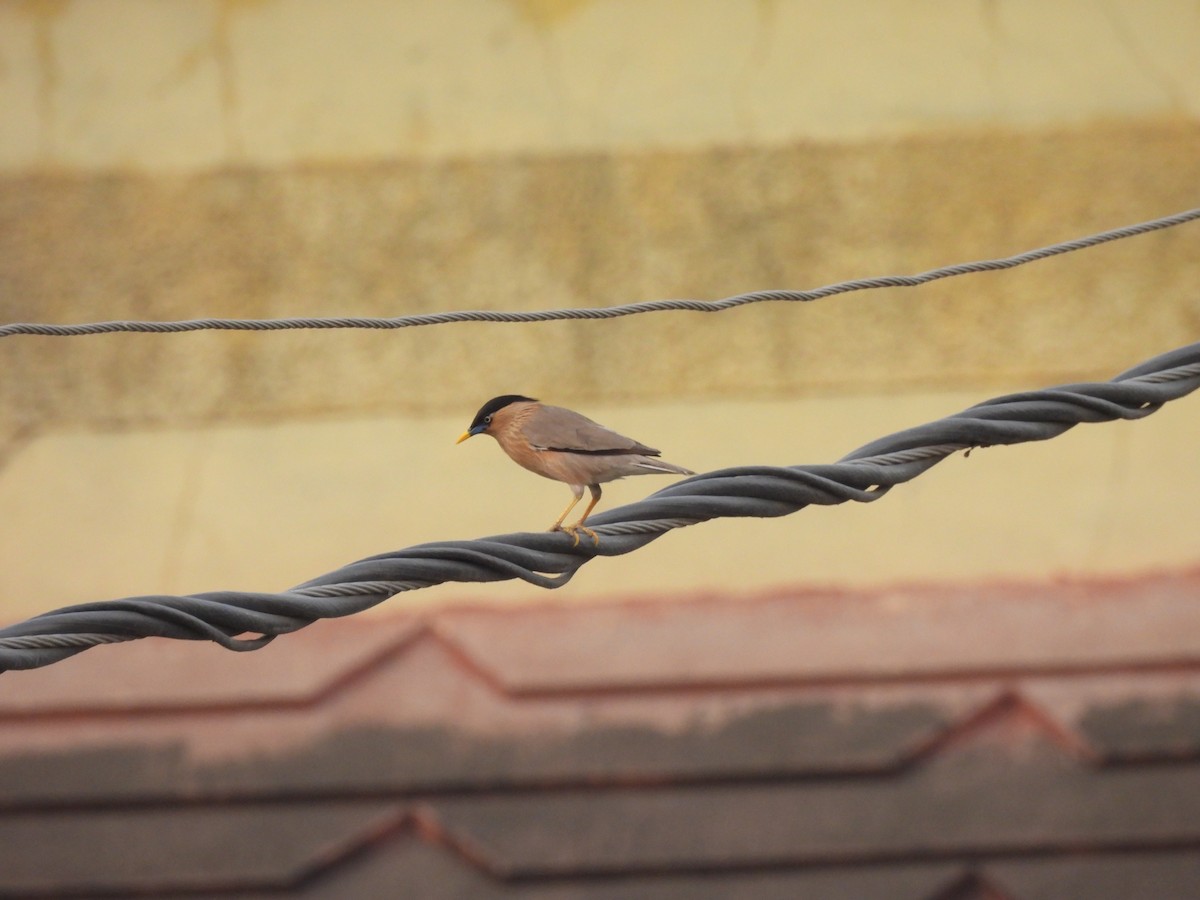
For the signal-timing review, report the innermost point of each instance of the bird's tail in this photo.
(650, 464)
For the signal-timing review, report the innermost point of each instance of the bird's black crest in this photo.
(497, 403)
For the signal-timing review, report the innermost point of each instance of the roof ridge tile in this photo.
(1008, 716)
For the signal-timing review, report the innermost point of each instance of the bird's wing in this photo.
(556, 428)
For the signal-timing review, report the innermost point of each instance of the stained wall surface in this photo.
(264, 159)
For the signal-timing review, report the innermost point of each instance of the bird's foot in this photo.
(574, 530)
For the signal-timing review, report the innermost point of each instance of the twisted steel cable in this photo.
(597, 312)
(550, 560)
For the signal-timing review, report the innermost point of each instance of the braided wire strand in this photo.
(600, 312)
(550, 560)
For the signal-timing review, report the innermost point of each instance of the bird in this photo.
(562, 445)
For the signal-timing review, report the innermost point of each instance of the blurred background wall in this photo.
(262, 158)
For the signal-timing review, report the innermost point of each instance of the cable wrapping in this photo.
(550, 560)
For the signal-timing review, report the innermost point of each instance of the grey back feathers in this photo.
(556, 428)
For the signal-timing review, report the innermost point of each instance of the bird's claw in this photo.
(573, 531)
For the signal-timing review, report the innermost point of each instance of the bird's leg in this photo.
(574, 530)
(577, 489)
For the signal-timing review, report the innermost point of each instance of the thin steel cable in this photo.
(550, 559)
(596, 312)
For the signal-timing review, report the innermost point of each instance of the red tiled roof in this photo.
(1019, 741)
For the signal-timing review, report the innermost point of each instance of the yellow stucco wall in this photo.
(190, 84)
(190, 158)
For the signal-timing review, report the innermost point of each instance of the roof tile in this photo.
(822, 637)
(183, 847)
(1013, 741)
(153, 675)
(962, 805)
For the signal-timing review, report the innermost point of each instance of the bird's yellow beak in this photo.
(465, 435)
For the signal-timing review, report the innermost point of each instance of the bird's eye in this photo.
(487, 420)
